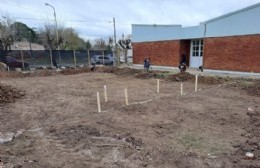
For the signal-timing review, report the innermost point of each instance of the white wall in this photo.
(142, 33)
(242, 22)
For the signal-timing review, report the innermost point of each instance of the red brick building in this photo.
(230, 42)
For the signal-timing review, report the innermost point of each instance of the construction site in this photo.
(128, 118)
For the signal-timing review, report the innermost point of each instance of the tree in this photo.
(68, 38)
(100, 44)
(125, 44)
(72, 40)
(6, 38)
(23, 32)
(47, 37)
(88, 45)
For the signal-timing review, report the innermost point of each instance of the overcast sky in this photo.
(94, 18)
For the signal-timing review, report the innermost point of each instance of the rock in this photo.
(43, 67)
(32, 69)
(54, 67)
(18, 69)
(6, 137)
(249, 155)
(250, 109)
(3, 66)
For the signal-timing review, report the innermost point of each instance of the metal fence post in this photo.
(103, 54)
(89, 61)
(75, 60)
(51, 58)
(22, 60)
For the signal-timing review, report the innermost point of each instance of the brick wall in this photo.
(164, 53)
(237, 53)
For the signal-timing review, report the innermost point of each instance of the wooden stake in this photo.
(126, 98)
(158, 86)
(105, 93)
(98, 103)
(181, 89)
(196, 83)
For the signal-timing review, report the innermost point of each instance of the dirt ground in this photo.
(53, 122)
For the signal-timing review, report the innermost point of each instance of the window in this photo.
(197, 48)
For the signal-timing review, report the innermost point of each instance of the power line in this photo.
(68, 20)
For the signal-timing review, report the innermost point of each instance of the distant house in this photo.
(230, 42)
(24, 45)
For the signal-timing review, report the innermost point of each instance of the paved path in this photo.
(205, 72)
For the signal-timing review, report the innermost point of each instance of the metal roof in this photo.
(232, 13)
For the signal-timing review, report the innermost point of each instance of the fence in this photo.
(58, 58)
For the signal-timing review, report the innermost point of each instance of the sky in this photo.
(93, 19)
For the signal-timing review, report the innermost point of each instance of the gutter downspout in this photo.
(204, 36)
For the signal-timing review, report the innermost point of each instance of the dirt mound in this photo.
(105, 69)
(71, 71)
(119, 71)
(6, 74)
(145, 75)
(211, 80)
(181, 77)
(9, 94)
(187, 77)
(27, 74)
(127, 72)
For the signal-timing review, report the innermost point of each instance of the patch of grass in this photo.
(190, 141)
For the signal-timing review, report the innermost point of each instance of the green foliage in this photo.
(23, 32)
(68, 38)
(72, 41)
(88, 45)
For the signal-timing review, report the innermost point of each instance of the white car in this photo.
(100, 59)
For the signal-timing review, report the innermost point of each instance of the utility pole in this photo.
(57, 34)
(115, 47)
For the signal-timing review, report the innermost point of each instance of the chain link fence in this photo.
(27, 59)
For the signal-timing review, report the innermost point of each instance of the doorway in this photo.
(196, 53)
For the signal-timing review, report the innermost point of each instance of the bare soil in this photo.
(56, 123)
